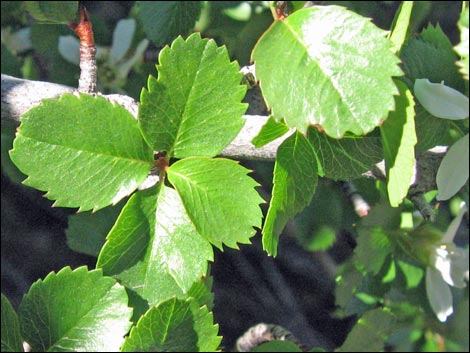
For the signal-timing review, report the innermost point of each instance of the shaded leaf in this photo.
(163, 21)
(207, 188)
(347, 158)
(53, 319)
(295, 180)
(398, 140)
(277, 346)
(372, 249)
(86, 231)
(53, 11)
(11, 335)
(431, 56)
(85, 152)
(164, 254)
(370, 332)
(336, 58)
(194, 107)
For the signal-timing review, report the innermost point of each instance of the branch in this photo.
(20, 95)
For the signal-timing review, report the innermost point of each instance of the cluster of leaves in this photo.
(330, 78)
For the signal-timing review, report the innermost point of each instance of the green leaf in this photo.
(76, 310)
(372, 249)
(413, 274)
(168, 327)
(163, 21)
(370, 332)
(154, 248)
(194, 108)
(453, 171)
(398, 140)
(86, 152)
(431, 56)
(208, 339)
(269, 132)
(219, 197)
(173, 326)
(86, 232)
(336, 58)
(462, 47)
(201, 291)
(53, 11)
(431, 131)
(277, 346)
(11, 335)
(295, 180)
(400, 25)
(347, 158)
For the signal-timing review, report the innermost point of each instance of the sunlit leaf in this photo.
(84, 151)
(194, 107)
(207, 188)
(339, 74)
(76, 310)
(398, 140)
(165, 254)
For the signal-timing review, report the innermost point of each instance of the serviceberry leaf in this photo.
(84, 151)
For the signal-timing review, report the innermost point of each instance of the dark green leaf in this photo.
(336, 73)
(347, 158)
(277, 346)
(174, 326)
(219, 197)
(269, 132)
(86, 232)
(11, 335)
(163, 21)
(295, 180)
(370, 332)
(431, 56)
(76, 310)
(154, 248)
(86, 152)
(413, 273)
(398, 140)
(372, 249)
(431, 131)
(194, 108)
(53, 11)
